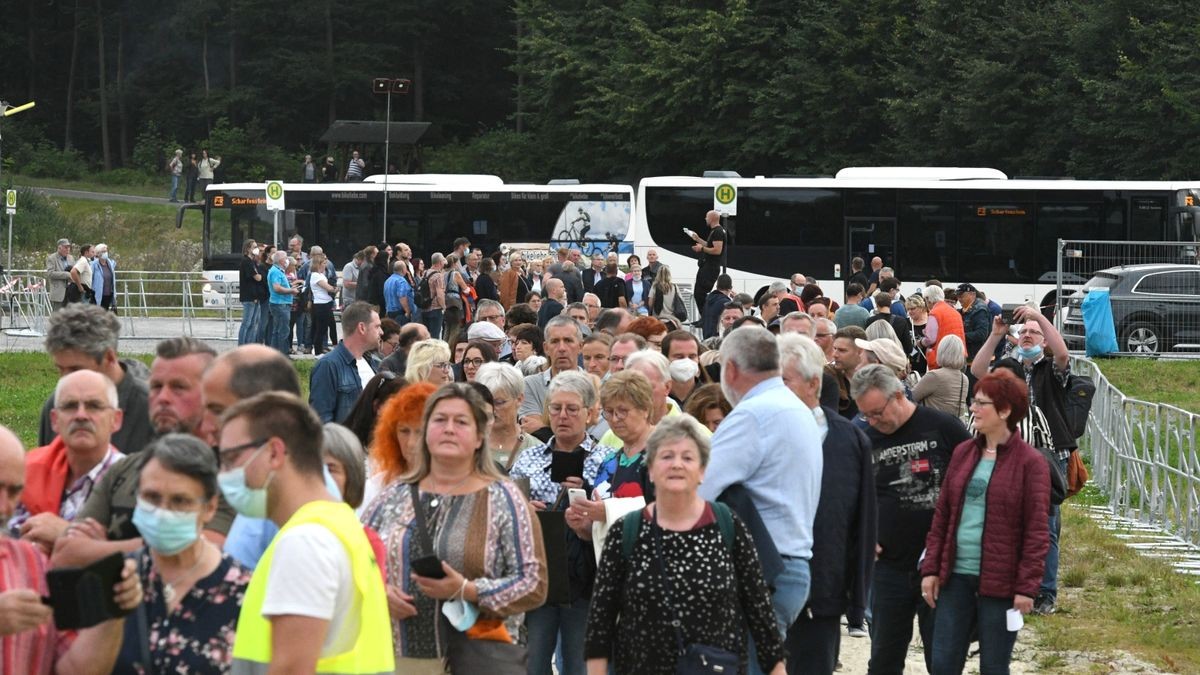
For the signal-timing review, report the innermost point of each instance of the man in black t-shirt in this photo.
(710, 251)
(856, 273)
(911, 448)
(610, 289)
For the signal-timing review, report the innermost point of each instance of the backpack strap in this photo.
(724, 523)
(631, 525)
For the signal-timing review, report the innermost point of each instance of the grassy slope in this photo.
(145, 189)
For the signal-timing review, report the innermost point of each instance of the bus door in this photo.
(867, 238)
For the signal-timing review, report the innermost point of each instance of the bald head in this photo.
(240, 374)
(713, 218)
(12, 472)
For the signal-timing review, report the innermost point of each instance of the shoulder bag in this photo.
(694, 659)
(491, 651)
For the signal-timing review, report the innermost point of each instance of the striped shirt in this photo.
(32, 652)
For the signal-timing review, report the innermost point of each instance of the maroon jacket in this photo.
(1016, 534)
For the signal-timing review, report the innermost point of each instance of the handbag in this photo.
(1077, 474)
(694, 659)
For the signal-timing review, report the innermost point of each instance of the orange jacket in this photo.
(949, 322)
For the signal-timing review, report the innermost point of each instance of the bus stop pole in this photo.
(8, 266)
(276, 239)
(387, 150)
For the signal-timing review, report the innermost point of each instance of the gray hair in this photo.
(802, 316)
(86, 328)
(573, 382)
(951, 353)
(568, 267)
(530, 365)
(487, 302)
(829, 325)
(777, 287)
(886, 272)
(436, 258)
(342, 445)
(674, 428)
(501, 379)
(933, 294)
(884, 331)
(751, 348)
(609, 319)
(875, 376)
(257, 372)
(296, 237)
(179, 347)
(799, 353)
(110, 389)
(652, 358)
(187, 455)
(278, 255)
(564, 320)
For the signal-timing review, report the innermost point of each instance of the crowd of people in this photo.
(534, 468)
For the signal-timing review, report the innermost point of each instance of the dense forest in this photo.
(610, 90)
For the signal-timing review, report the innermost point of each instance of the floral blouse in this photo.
(198, 636)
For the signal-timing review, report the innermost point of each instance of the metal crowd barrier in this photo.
(1143, 457)
(151, 305)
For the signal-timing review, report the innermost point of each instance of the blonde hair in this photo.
(421, 357)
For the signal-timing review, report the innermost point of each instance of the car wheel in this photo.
(1140, 337)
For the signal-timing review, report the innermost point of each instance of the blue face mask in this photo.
(462, 614)
(167, 532)
(248, 501)
(1030, 354)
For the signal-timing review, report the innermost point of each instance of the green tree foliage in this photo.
(619, 89)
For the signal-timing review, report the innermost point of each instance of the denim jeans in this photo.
(432, 318)
(791, 593)
(958, 603)
(280, 315)
(251, 318)
(303, 331)
(264, 313)
(174, 188)
(897, 596)
(545, 625)
(1050, 575)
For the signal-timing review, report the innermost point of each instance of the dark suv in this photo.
(1156, 308)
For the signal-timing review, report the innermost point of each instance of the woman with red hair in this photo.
(651, 329)
(992, 507)
(395, 437)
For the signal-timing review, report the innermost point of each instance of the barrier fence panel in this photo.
(1154, 291)
(151, 305)
(1143, 457)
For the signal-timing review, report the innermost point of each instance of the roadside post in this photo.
(10, 207)
(275, 203)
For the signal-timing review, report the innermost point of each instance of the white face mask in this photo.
(684, 370)
(254, 251)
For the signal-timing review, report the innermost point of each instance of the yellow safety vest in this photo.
(372, 652)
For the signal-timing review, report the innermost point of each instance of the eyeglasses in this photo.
(615, 414)
(442, 365)
(90, 407)
(229, 456)
(494, 317)
(980, 402)
(878, 414)
(570, 410)
(473, 362)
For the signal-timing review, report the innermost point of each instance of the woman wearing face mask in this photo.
(474, 526)
(193, 591)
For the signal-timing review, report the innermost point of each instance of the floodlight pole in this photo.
(387, 147)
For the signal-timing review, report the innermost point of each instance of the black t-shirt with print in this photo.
(909, 467)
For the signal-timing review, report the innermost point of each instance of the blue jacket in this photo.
(98, 278)
(334, 385)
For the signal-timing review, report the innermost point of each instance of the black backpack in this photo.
(1080, 392)
(424, 294)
